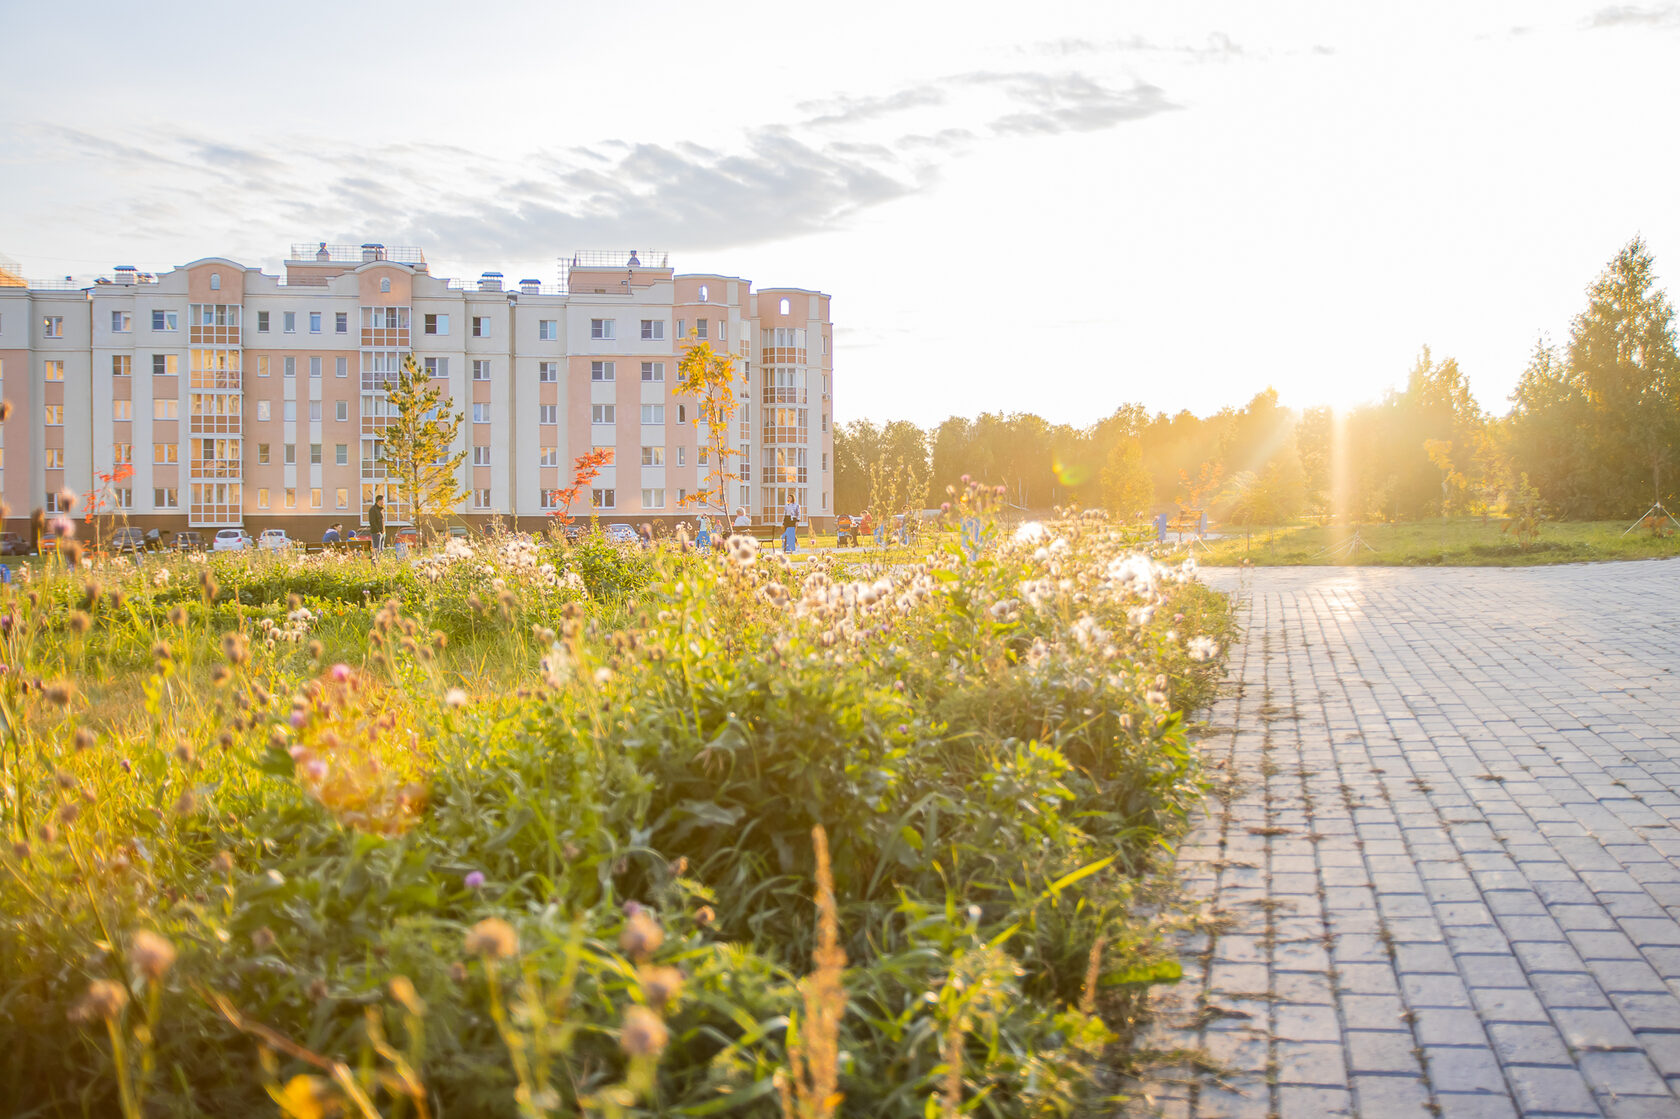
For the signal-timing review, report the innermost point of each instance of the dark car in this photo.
(845, 531)
(189, 542)
(13, 544)
(127, 540)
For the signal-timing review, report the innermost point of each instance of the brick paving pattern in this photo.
(1440, 873)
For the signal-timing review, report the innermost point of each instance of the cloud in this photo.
(837, 158)
(1627, 15)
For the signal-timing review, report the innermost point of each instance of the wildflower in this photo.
(660, 985)
(59, 692)
(68, 813)
(263, 939)
(402, 989)
(178, 616)
(317, 990)
(492, 938)
(455, 697)
(222, 863)
(1203, 648)
(474, 880)
(21, 849)
(185, 803)
(103, 1001)
(644, 1035)
(641, 936)
(152, 954)
(236, 647)
(79, 622)
(704, 916)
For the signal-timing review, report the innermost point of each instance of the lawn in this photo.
(522, 828)
(1462, 542)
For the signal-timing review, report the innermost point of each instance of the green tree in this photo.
(416, 446)
(1128, 490)
(709, 377)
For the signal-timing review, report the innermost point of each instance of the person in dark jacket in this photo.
(376, 521)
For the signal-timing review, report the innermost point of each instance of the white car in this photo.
(274, 540)
(231, 540)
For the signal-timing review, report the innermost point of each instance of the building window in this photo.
(215, 281)
(480, 326)
(653, 456)
(122, 454)
(436, 324)
(480, 370)
(290, 457)
(165, 499)
(315, 368)
(653, 499)
(52, 326)
(121, 365)
(165, 365)
(341, 322)
(550, 457)
(481, 413)
(122, 410)
(122, 322)
(315, 411)
(262, 453)
(315, 454)
(384, 285)
(52, 371)
(603, 329)
(289, 366)
(653, 330)
(341, 410)
(342, 367)
(653, 371)
(700, 328)
(602, 370)
(682, 456)
(314, 322)
(165, 452)
(550, 499)
(481, 499)
(343, 498)
(289, 501)
(549, 413)
(682, 329)
(262, 497)
(165, 408)
(600, 413)
(603, 499)
(723, 330)
(825, 462)
(653, 413)
(54, 457)
(262, 367)
(166, 320)
(437, 366)
(263, 409)
(786, 306)
(703, 293)
(314, 499)
(548, 330)
(262, 322)
(288, 322)
(682, 413)
(481, 456)
(341, 454)
(548, 372)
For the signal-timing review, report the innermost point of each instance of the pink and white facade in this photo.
(241, 398)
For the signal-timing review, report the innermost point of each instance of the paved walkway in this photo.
(1443, 873)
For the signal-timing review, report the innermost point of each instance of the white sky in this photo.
(1045, 207)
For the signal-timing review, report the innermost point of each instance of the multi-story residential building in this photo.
(241, 398)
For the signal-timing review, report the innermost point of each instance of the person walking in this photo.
(790, 525)
(376, 522)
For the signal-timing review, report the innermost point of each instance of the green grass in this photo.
(1468, 542)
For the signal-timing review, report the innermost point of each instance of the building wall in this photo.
(130, 408)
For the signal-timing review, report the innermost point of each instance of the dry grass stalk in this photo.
(813, 1089)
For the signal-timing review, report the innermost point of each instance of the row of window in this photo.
(548, 372)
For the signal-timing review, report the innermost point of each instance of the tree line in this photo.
(1593, 431)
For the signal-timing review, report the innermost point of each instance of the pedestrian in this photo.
(376, 522)
(332, 535)
(702, 532)
(790, 524)
(742, 521)
(647, 537)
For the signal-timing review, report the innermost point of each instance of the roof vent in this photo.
(126, 273)
(635, 261)
(373, 251)
(322, 253)
(531, 287)
(490, 281)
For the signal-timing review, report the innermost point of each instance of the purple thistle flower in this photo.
(475, 880)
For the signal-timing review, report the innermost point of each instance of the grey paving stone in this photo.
(1382, 1051)
(1560, 1090)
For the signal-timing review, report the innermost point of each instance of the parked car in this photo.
(13, 544)
(274, 540)
(845, 531)
(232, 540)
(127, 540)
(189, 541)
(621, 533)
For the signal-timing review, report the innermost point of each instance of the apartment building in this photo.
(235, 397)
